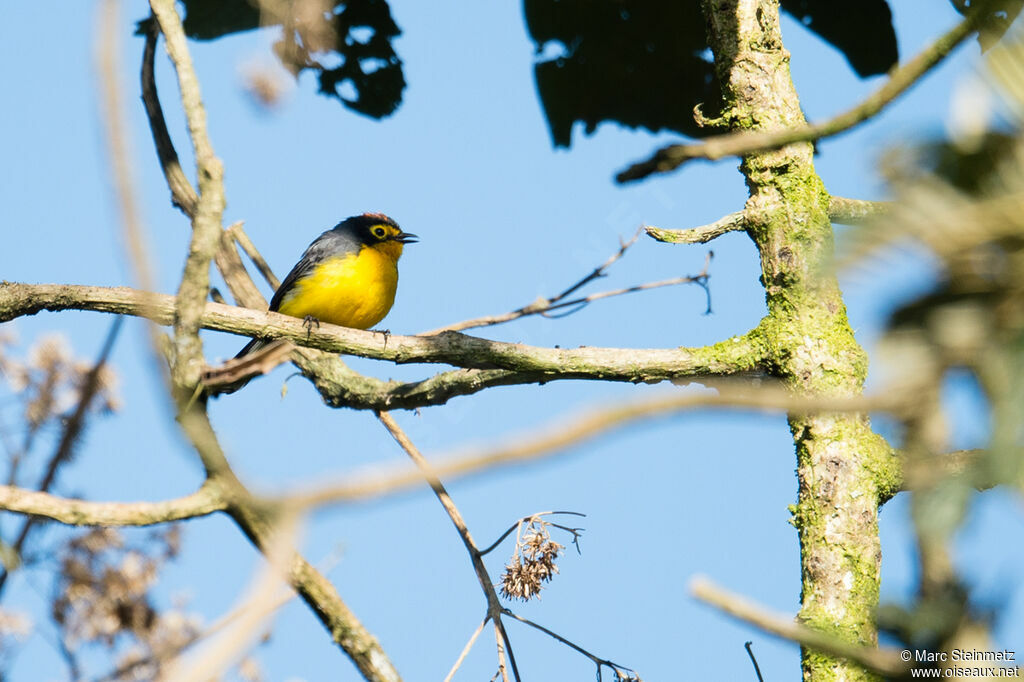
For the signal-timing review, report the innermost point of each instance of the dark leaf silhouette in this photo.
(342, 41)
(646, 64)
(861, 30)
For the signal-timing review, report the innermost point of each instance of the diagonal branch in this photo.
(885, 661)
(494, 608)
(182, 194)
(571, 431)
(743, 143)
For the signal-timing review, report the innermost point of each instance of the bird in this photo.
(347, 276)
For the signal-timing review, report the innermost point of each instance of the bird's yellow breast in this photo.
(352, 290)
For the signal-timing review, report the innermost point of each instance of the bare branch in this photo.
(735, 355)
(840, 210)
(238, 233)
(855, 211)
(229, 263)
(204, 501)
(884, 661)
(494, 608)
(621, 671)
(206, 222)
(734, 222)
(182, 194)
(465, 650)
(753, 659)
(743, 143)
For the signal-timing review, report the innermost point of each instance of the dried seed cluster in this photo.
(532, 564)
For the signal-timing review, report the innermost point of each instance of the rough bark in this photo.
(841, 464)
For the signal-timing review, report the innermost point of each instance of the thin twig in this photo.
(466, 649)
(519, 523)
(884, 661)
(598, 661)
(757, 668)
(494, 608)
(742, 143)
(226, 257)
(182, 194)
(502, 665)
(546, 305)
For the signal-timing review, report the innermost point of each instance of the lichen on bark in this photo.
(843, 468)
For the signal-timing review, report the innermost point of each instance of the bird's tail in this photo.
(224, 389)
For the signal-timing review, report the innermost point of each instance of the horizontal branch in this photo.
(340, 386)
(840, 210)
(611, 364)
(745, 142)
(734, 222)
(855, 211)
(204, 501)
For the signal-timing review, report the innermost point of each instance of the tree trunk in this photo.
(843, 468)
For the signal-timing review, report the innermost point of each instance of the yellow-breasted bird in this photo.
(348, 276)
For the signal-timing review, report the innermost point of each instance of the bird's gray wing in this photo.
(328, 245)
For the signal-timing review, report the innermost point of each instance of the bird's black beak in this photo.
(406, 238)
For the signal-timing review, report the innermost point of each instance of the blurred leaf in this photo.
(344, 42)
(861, 30)
(1000, 16)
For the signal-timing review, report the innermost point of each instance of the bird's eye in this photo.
(379, 232)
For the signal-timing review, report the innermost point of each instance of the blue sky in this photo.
(467, 164)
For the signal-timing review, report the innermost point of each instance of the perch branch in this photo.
(738, 354)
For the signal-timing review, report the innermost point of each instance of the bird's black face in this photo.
(376, 228)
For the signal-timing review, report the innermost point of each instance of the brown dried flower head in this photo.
(532, 564)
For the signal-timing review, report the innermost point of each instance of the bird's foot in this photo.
(385, 332)
(309, 322)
